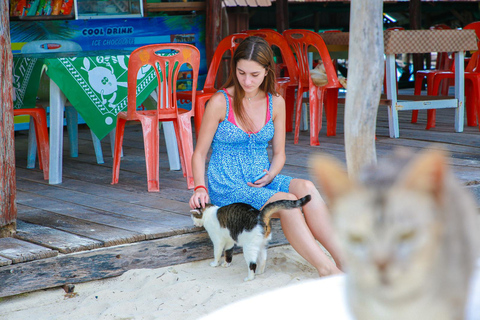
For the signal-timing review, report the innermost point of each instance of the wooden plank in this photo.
(108, 235)
(143, 227)
(147, 199)
(130, 207)
(22, 251)
(4, 261)
(109, 262)
(61, 241)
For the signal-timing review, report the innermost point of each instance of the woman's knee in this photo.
(302, 187)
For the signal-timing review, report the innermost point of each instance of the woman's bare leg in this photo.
(301, 238)
(317, 217)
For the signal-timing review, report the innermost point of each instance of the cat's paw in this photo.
(249, 278)
(226, 264)
(214, 264)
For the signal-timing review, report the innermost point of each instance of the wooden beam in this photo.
(281, 11)
(213, 28)
(8, 208)
(365, 80)
(113, 261)
(415, 10)
(176, 6)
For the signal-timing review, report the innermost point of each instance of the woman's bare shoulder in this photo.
(218, 98)
(217, 106)
(278, 100)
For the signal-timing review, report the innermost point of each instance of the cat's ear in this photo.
(196, 213)
(331, 176)
(426, 172)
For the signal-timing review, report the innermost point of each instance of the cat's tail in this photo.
(272, 207)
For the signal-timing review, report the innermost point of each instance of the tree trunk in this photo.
(8, 207)
(365, 80)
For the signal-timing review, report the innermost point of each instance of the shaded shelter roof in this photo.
(247, 3)
(267, 3)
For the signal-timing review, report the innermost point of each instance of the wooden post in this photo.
(213, 28)
(365, 80)
(8, 207)
(281, 12)
(415, 10)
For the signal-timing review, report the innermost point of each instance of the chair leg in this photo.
(172, 145)
(40, 119)
(112, 143)
(32, 146)
(178, 137)
(119, 132)
(290, 107)
(470, 102)
(97, 146)
(298, 115)
(71, 116)
(431, 117)
(418, 90)
(331, 109)
(315, 116)
(186, 145)
(151, 139)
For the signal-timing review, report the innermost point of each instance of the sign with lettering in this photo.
(113, 34)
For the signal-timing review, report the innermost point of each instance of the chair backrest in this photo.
(167, 59)
(229, 43)
(473, 64)
(444, 59)
(300, 40)
(277, 39)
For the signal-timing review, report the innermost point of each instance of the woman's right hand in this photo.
(199, 198)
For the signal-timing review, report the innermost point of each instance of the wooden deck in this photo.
(86, 228)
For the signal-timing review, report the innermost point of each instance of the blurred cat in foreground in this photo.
(408, 232)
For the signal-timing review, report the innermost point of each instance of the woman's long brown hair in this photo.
(258, 50)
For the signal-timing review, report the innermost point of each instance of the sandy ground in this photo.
(187, 291)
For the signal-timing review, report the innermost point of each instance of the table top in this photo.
(415, 41)
(425, 41)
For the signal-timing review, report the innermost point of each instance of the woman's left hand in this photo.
(262, 182)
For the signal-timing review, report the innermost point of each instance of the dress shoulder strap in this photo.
(227, 98)
(270, 106)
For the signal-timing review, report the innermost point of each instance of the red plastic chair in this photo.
(444, 62)
(39, 117)
(286, 85)
(167, 60)
(472, 73)
(229, 43)
(472, 88)
(300, 41)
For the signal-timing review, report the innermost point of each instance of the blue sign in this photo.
(125, 34)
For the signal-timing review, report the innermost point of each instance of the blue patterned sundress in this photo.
(237, 158)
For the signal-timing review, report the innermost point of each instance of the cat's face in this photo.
(197, 217)
(387, 222)
(389, 239)
(198, 214)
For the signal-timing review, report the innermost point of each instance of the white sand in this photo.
(186, 291)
